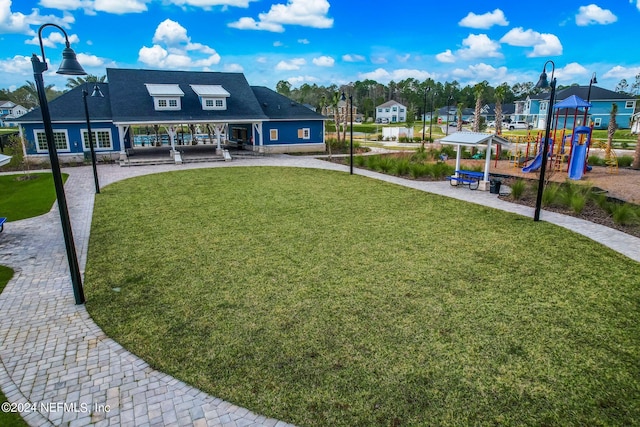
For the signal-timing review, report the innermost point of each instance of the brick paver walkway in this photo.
(59, 368)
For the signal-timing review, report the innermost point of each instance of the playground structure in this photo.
(568, 147)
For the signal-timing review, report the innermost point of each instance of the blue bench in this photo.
(464, 177)
(2, 221)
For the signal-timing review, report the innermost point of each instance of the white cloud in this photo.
(403, 58)
(173, 49)
(303, 41)
(324, 61)
(89, 60)
(383, 76)
(353, 58)
(233, 68)
(278, 44)
(550, 46)
(620, 72)
(480, 72)
(571, 71)
(17, 65)
(484, 21)
(593, 14)
(301, 79)
(379, 60)
(54, 38)
(171, 33)
(306, 13)
(447, 56)
(292, 64)
(479, 46)
(637, 3)
(543, 44)
(208, 4)
(19, 23)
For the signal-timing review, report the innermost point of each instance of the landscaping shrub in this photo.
(518, 188)
(550, 194)
(596, 161)
(624, 214)
(625, 161)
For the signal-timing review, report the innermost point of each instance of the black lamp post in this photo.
(350, 105)
(449, 99)
(424, 114)
(591, 83)
(69, 66)
(544, 83)
(431, 121)
(96, 93)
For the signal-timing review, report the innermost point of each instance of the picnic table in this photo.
(466, 177)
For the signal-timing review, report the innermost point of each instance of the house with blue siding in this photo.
(149, 108)
(534, 108)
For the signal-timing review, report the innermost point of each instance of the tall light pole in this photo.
(96, 93)
(350, 105)
(69, 66)
(544, 83)
(424, 113)
(591, 83)
(449, 99)
(431, 121)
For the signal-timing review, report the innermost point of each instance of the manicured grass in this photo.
(325, 299)
(8, 419)
(26, 198)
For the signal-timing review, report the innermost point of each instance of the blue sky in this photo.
(328, 41)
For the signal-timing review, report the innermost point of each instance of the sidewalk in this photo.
(55, 360)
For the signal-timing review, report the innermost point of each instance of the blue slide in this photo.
(576, 165)
(535, 165)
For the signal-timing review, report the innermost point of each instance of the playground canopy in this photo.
(475, 139)
(572, 102)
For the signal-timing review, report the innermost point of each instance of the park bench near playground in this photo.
(465, 177)
(2, 221)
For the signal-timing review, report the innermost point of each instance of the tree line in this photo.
(420, 96)
(27, 94)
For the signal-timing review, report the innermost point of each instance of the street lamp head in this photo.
(97, 92)
(543, 83)
(593, 79)
(343, 97)
(70, 65)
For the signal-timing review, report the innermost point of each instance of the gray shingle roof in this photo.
(597, 94)
(276, 106)
(69, 106)
(131, 102)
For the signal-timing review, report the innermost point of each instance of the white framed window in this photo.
(60, 138)
(101, 139)
(304, 133)
(214, 103)
(273, 135)
(630, 104)
(543, 106)
(395, 109)
(597, 122)
(167, 103)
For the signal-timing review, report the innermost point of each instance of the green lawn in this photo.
(26, 198)
(326, 299)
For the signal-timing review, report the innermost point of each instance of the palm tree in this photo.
(459, 113)
(478, 92)
(79, 81)
(500, 93)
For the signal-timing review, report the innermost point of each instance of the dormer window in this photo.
(212, 97)
(165, 96)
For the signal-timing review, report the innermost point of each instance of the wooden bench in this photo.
(2, 221)
(465, 177)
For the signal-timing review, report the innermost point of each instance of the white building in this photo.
(391, 112)
(10, 111)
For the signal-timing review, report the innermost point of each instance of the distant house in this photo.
(9, 111)
(534, 108)
(391, 112)
(139, 105)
